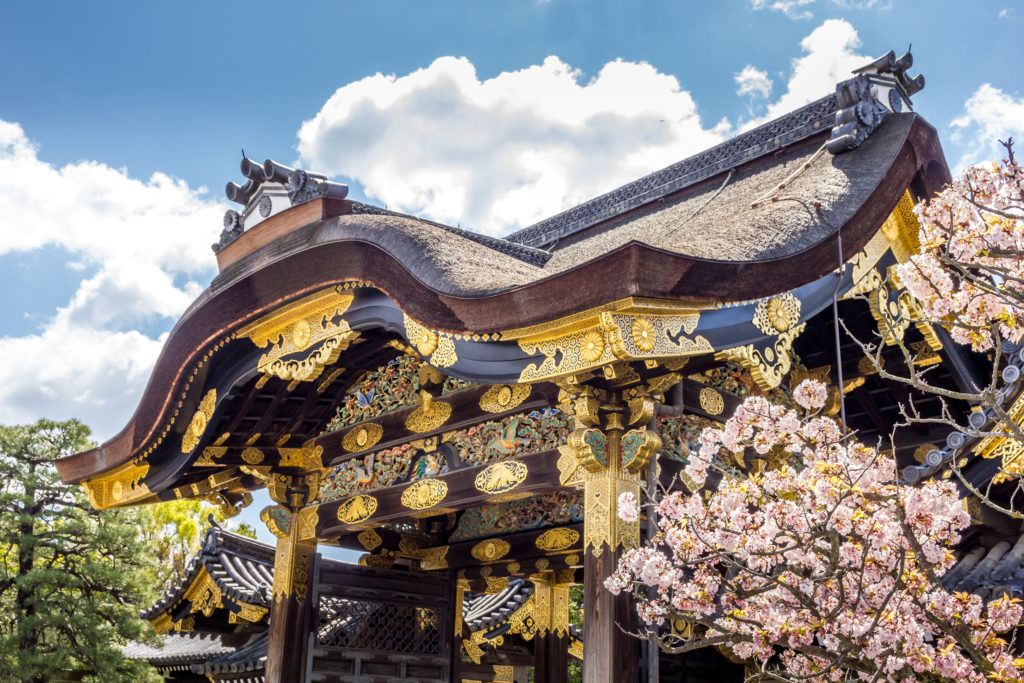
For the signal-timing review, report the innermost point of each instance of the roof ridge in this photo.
(812, 118)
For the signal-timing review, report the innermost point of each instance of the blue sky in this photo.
(121, 122)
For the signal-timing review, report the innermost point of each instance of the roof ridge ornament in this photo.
(264, 195)
(877, 90)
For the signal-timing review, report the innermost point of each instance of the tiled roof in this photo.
(482, 611)
(242, 568)
(179, 650)
(990, 570)
(251, 657)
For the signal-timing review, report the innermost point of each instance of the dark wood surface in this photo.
(291, 621)
(551, 659)
(609, 654)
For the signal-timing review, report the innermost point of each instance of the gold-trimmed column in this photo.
(294, 484)
(613, 446)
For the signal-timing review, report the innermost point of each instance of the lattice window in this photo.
(372, 625)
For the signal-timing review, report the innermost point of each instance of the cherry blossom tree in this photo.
(968, 278)
(969, 271)
(824, 568)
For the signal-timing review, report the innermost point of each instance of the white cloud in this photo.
(504, 152)
(753, 82)
(798, 9)
(830, 58)
(989, 115)
(147, 246)
(791, 8)
(1004, 13)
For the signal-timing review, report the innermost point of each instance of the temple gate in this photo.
(466, 410)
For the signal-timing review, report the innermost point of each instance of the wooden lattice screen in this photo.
(378, 625)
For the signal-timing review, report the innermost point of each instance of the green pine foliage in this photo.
(72, 579)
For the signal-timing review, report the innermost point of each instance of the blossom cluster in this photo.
(969, 272)
(823, 566)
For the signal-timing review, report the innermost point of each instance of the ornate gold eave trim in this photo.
(119, 487)
(589, 318)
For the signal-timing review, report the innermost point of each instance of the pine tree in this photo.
(72, 579)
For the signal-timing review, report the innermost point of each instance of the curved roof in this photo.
(754, 217)
(990, 570)
(178, 650)
(242, 568)
(483, 611)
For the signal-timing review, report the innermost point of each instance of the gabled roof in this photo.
(755, 217)
(241, 568)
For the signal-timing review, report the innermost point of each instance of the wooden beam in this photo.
(449, 492)
(465, 410)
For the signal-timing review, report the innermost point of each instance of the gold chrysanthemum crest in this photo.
(643, 334)
(504, 397)
(777, 314)
(362, 437)
(592, 346)
(194, 432)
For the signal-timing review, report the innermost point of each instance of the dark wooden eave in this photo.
(373, 249)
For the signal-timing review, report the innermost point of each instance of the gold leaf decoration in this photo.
(490, 550)
(425, 419)
(554, 540)
(425, 493)
(495, 584)
(424, 339)
(362, 437)
(202, 416)
(369, 539)
(711, 402)
(120, 486)
(444, 356)
(433, 559)
(312, 321)
(252, 456)
(643, 334)
(504, 397)
(358, 509)
(777, 314)
(501, 477)
(210, 454)
(592, 346)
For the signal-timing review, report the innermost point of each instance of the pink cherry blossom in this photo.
(968, 272)
(629, 511)
(824, 567)
(810, 394)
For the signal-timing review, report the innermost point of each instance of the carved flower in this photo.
(198, 424)
(643, 334)
(301, 334)
(779, 315)
(425, 341)
(592, 346)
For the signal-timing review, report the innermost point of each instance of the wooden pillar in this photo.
(613, 445)
(609, 655)
(292, 613)
(551, 659)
